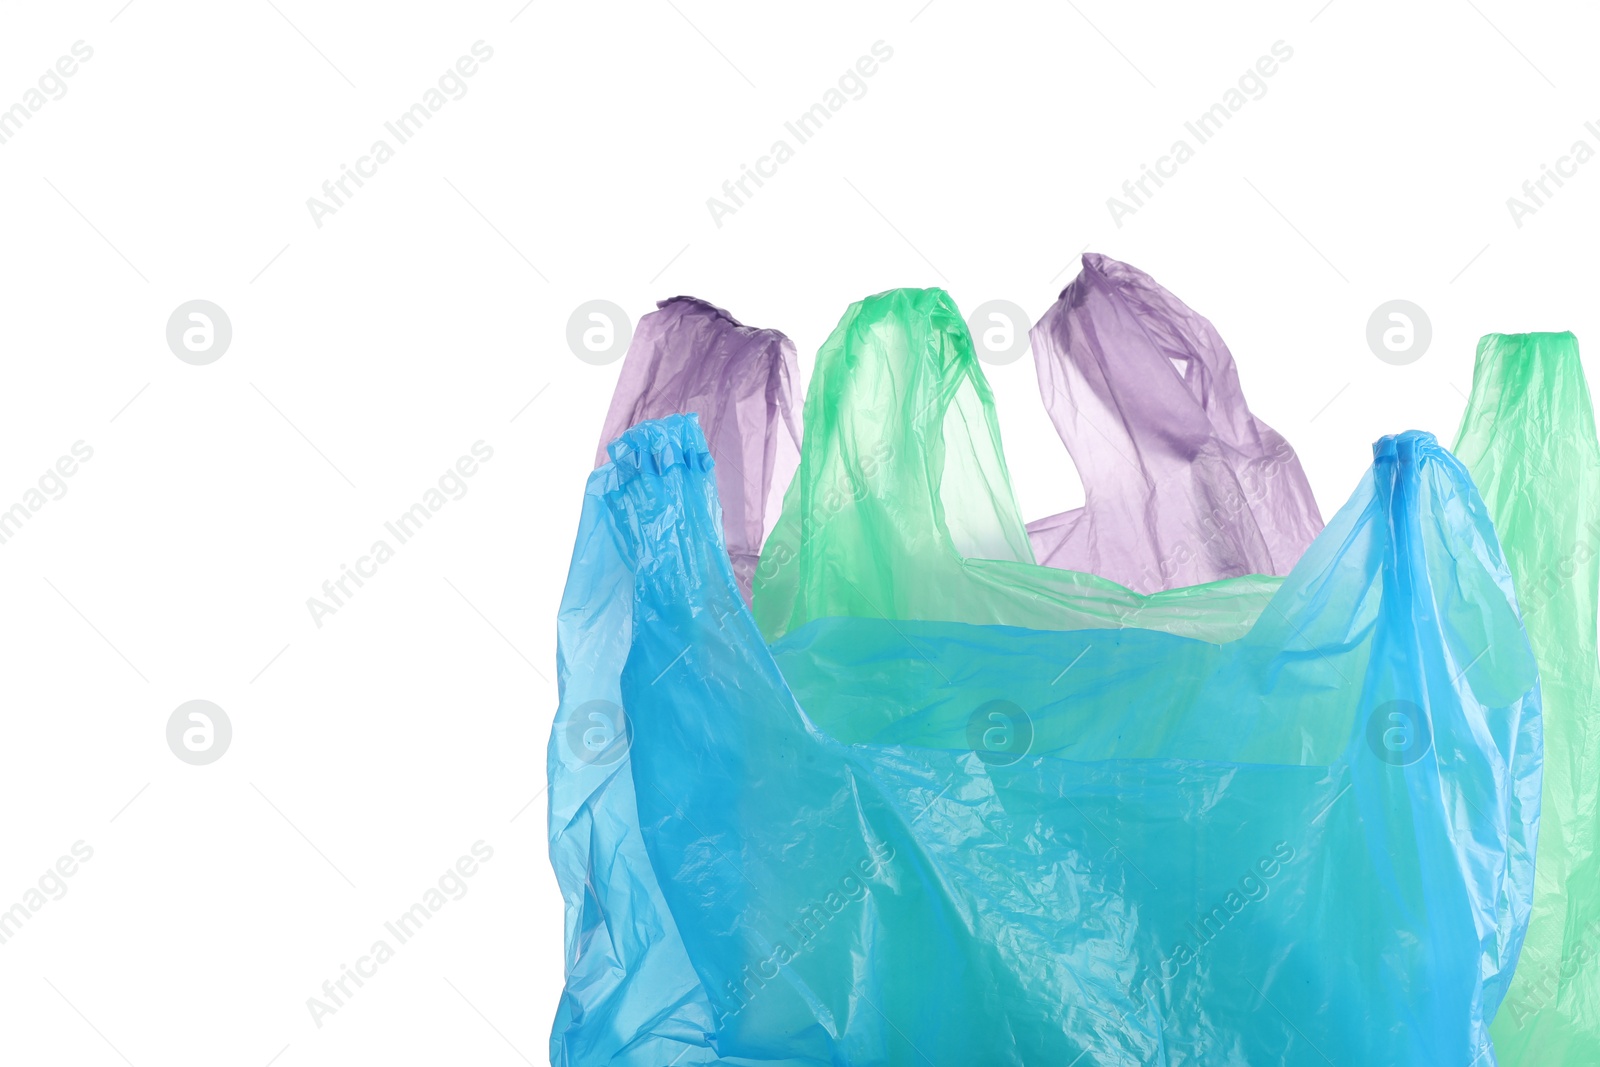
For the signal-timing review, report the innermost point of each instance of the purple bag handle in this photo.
(691, 356)
(1182, 484)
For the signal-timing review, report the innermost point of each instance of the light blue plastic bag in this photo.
(896, 842)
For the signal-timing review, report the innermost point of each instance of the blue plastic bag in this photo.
(908, 842)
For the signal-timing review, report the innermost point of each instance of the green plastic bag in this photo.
(1528, 438)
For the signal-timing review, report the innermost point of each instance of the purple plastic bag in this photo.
(1182, 484)
(690, 356)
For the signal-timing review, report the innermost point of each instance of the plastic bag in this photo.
(1528, 437)
(690, 356)
(1182, 484)
(1312, 843)
(902, 507)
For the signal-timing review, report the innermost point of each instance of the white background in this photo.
(430, 313)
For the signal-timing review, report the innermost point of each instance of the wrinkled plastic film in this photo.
(881, 476)
(1528, 437)
(1182, 484)
(1207, 853)
(631, 997)
(902, 507)
(743, 382)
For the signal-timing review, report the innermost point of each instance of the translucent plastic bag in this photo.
(1309, 844)
(902, 507)
(1528, 437)
(690, 356)
(1182, 484)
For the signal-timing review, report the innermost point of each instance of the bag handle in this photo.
(1182, 484)
(693, 357)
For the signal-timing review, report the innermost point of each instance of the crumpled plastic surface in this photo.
(1310, 844)
(902, 507)
(1528, 438)
(690, 356)
(1182, 484)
